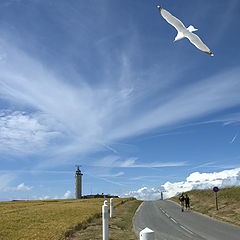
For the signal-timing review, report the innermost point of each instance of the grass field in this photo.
(120, 226)
(47, 219)
(203, 201)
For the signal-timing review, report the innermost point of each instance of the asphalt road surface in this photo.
(169, 223)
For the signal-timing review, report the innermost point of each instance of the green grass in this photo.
(47, 219)
(204, 201)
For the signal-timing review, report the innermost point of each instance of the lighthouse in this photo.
(78, 183)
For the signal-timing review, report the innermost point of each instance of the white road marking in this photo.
(186, 229)
(176, 222)
(173, 219)
(169, 216)
(138, 209)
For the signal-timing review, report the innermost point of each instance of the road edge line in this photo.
(134, 228)
(204, 215)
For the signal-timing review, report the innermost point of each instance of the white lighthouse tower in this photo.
(78, 183)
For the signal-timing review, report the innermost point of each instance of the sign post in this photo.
(215, 189)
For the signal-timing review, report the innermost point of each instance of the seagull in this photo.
(184, 32)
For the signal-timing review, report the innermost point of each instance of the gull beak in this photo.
(174, 41)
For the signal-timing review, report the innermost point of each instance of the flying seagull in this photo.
(184, 32)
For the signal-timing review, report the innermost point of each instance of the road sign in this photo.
(215, 189)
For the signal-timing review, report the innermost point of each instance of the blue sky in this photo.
(101, 84)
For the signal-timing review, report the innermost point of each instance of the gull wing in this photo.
(198, 43)
(172, 20)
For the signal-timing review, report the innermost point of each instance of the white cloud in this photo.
(6, 180)
(20, 132)
(23, 187)
(145, 193)
(20, 187)
(67, 194)
(42, 197)
(195, 180)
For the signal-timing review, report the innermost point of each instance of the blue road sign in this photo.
(215, 189)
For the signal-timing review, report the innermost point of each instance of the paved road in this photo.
(169, 223)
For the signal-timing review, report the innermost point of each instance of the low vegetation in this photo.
(120, 226)
(53, 219)
(203, 201)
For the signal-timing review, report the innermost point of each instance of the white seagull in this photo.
(184, 32)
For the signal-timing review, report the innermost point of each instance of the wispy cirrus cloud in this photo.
(5, 180)
(113, 161)
(208, 96)
(113, 175)
(80, 117)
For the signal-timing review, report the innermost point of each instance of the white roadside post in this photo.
(146, 234)
(111, 207)
(105, 220)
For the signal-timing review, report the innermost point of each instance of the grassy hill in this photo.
(203, 201)
(47, 219)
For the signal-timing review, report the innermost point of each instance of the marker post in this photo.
(105, 220)
(111, 207)
(146, 234)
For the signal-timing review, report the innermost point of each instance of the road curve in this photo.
(169, 223)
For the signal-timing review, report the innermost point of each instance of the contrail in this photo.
(234, 138)
(109, 148)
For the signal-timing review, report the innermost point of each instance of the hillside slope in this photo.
(203, 201)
